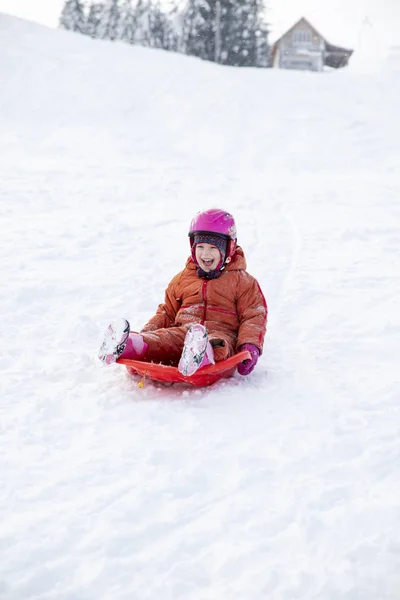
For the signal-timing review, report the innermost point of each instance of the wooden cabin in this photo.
(302, 47)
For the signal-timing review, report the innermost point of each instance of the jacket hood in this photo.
(238, 262)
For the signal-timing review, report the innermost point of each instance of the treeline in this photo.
(230, 32)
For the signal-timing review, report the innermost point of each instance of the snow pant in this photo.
(166, 345)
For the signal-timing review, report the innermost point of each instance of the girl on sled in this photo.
(212, 309)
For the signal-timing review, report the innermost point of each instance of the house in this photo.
(303, 47)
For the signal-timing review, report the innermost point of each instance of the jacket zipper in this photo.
(204, 295)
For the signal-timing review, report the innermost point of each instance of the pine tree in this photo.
(93, 19)
(240, 28)
(161, 34)
(199, 29)
(73, 16)
(175, 15)
(109, 20)
(142, 23)
(225, 31)
(127, 23)
(263, 48)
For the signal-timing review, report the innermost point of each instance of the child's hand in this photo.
(246, 367)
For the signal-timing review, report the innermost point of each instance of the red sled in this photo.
(203, 377)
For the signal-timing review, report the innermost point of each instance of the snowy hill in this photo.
(277, 486)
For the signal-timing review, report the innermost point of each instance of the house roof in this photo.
(336, 56)
(301, 20)
(329, 47)
(344, 34)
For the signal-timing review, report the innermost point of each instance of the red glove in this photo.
(246, 367)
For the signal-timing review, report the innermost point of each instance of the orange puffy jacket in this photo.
(232, 306)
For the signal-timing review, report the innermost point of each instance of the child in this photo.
(212, 309)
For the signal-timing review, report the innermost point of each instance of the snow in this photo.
(281, 485)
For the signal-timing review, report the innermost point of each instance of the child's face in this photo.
(208, 257)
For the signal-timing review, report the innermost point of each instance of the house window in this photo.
(302, 38)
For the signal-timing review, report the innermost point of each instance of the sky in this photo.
(281, 485)
(340, 21)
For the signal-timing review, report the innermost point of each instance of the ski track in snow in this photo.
(281, 485)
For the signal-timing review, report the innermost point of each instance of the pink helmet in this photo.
(218, 221)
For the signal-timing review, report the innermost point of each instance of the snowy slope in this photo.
(277, 486)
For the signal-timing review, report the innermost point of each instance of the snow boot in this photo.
(197, 351)
(114, 341)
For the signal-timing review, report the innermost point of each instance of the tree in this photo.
(240, 27)
(161, 33)
(263, 48)
(242, 32)
(127, 23)
(109, 20)
(93, 19)
(73, 16)
(141, 23)
(199, 29)
(224, 31)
